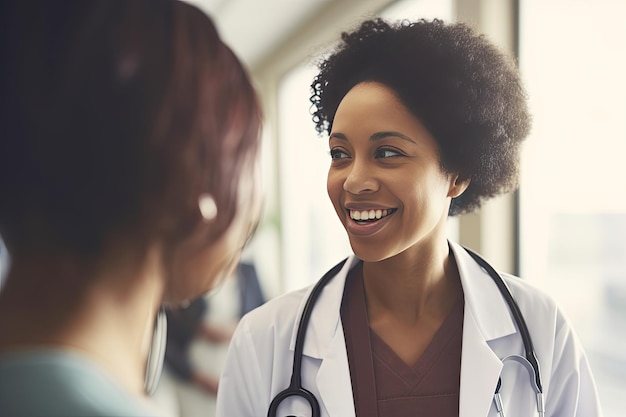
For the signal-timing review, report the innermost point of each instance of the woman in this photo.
(128, 181)
(425, 121)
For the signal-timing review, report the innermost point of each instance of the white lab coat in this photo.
(260, 357)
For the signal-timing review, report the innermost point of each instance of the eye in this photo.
(387, 153)
(336, 153)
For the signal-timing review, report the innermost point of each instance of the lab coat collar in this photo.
(486, 318)
(482, 299)
(325, 319)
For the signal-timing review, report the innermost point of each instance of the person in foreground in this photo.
(128, 180)
(425, 121)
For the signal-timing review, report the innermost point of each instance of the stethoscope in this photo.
(295, 388)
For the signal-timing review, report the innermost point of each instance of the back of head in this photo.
(115, 117)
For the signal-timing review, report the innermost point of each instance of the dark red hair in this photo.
(115, 117)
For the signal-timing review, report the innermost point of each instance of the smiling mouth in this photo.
(369, 216)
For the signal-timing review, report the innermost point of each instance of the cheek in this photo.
(197, 273)
(222, 257)
(430, 199)
(197, 266)
(334, 188)
(215, 265)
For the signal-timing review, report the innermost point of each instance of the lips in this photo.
(370, 215)
(366, 221)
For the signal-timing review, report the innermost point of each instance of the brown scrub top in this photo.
(383, 385)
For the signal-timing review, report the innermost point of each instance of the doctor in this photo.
(425, 121)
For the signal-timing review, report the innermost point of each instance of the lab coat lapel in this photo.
(333, 379)
(325, 317)
(325, 341)
(486, 318)
(480, 370)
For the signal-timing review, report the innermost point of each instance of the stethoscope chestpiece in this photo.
(533, 383)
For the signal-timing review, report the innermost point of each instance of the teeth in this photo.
(368, 215)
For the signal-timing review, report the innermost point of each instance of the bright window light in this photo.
(572, 200)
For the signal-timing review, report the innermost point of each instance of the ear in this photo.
(457, 185)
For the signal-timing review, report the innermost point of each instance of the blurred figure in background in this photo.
(129, 140)
(197, 341)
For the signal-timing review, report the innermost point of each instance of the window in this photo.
(313, 239)
(572, 201)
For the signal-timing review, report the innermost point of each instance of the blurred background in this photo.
(564, 230)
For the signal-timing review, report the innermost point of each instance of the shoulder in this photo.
(259, 356)
(527, 293)
(567, 378)
(276, 317)
(56, 383)
(551, 329)
(273, 324)
(540, 309)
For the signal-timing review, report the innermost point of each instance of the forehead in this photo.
(370, 95)
(372, 107)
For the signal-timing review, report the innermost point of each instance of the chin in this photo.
(179, 299)
(371, 258)
(181, 294)
(369, 254)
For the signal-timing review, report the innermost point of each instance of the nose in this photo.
(360, 179)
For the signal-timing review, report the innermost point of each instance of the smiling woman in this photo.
(424, 121)
(384, 159)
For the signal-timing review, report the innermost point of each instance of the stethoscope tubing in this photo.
(531, 357)
(295, 386)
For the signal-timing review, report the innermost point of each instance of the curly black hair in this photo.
(467, 93)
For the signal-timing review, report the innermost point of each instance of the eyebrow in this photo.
(382, 135)
(376, 136)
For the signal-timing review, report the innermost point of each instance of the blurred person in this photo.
(129, 140)
(197, 340)
(186, 324)
(425, 121)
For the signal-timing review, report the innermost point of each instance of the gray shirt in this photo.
(60, 383)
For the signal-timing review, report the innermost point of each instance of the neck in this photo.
(417, 284)
(109, 320)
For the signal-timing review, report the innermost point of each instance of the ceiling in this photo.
(254, 28)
